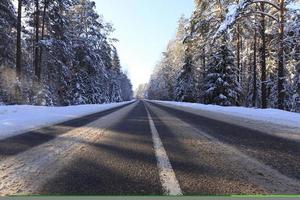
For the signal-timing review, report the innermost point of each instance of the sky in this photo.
(143, 28)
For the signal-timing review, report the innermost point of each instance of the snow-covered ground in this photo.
(273, 121)
(18, 119)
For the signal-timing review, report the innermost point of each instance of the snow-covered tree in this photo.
(163, 81)
(7, 35)
(221, 86)
(64, 56)
(115, 71)
(126, 87)
(8, 20)
(262, 50)
(140, 92)
(185, 86)
(296, 95)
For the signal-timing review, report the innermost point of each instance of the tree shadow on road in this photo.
(23, 142)
(279, 153)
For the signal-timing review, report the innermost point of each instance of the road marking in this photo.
(167, 176)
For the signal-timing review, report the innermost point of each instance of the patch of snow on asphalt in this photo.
(18, 119)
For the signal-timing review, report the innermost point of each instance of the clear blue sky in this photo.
(143, 28)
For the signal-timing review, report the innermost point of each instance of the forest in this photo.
(58, 52)
(233, 53)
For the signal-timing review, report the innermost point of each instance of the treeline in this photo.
(242, 53)
(58, 52)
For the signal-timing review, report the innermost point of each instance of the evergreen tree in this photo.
(126, 88)
(221, 86)
(296, 95)
(54, 55)
(115, 71)
(7, 35)
(163, 81)
(257, 63)
(65, 55)
(8, 22)
(185, 86)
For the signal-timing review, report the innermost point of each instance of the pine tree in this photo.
(53, 54)
(266, 55)
(292, 57)
(185, 87)
(126, 88)
(296, 95)
(221, 86)
(7, 35)
(163, 81)
(65, 55)
(115, 71)
(8, 22)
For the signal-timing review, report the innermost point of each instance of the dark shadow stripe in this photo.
(122, 164)
(279, 153)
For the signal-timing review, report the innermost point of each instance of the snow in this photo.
(234, 10)
(293, 6)
(18, 119)
(246, 166)
(274, 116)
(27, 172)
(229, 19)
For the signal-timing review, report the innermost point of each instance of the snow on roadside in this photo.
(274, 116)
(18, 119)
(27, 172)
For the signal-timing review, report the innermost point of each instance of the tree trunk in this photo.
(44, 18)
(280, 86)
(204, 61)
(263, 58)
(238, 45)
(19, 47)
(36, 48)
(43, 29)
(254, 96)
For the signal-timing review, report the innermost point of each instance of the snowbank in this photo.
(18, 119)
(273, 116)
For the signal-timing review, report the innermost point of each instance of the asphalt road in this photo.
(145, 148)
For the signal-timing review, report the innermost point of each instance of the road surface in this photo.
(145, 148)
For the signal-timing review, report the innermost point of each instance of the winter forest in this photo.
(233, 53)
(58, 52)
